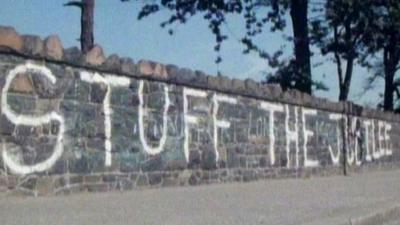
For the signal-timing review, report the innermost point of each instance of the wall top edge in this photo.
(51, 50)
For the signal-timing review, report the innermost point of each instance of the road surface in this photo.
(330, 200)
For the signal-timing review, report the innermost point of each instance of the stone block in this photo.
(73, 55)
(28, 183)
(172, 71)
(10, 38)
(128, 66)
(238, 86)
(160, 71)
(252, 88)
(225, 83)
(98, 92)
(53, 48)
(213, 82)
(185, 76)
(112, 63)
(271, 91)
(146, 68)
(154, 163)
(200, 79)
(176, 164)
(45, 186)
(33, 45)
(97, 187)
(155, 178)
(95, 56)
(22, 84)
(142, 181)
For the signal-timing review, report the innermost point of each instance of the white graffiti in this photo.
(109, 81)
(307, 134)
(353, 143)
(189, 119)
(220, 123)
(375, 152)
(153, 150)
(357, 139)
(31, 120)
(384, 138)
(367, 124)
(388, 128)
(336, 157)
(292, 136)
(383, 147)
(272, 108)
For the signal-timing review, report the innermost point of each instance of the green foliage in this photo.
(382, 44)
(340, 32)
(215, 13)
(366, 32)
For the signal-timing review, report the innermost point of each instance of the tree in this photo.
(384, 38)
(299, 15)
(87, 18)
(215, 12)
(340, 32)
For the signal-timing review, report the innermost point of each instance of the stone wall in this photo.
(72, 122)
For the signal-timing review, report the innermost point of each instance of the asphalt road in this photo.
(332, 200)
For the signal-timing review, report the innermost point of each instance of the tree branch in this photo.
(337, 57)
(396, 89)
(74, 3)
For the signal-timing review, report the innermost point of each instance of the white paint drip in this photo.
(307, 134)
(220, 123)
(189, 118)
(272, 108)
(153, 150)
(31, 120)
(109, 81)
(292, 136)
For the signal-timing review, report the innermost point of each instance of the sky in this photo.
(118, 31)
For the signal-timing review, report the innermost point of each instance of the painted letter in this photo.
(388, 128)
(189, 118)
(307, 134)
(292, 136)
(367, 124)
(153, 150)
(381, 138)
(375, 152)
(272, 108)
(336, 158)
(356, 138)
(220, 123)
(31, 120)
(110, 81)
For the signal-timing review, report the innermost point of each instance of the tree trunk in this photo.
(389, 79)
(299, 15)
(345, 85)
(87, 18)
(389, 91)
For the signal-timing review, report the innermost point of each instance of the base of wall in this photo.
(34, 185)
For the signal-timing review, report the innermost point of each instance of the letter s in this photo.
(31, 120)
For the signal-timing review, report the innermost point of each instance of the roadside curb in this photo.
(378, 218)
